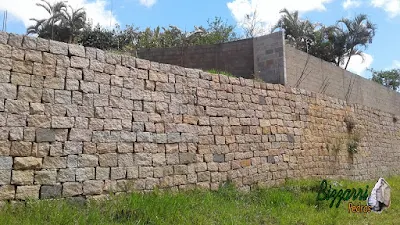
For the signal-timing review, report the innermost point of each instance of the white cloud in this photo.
(351, 4)
(268, 10)
(357, 65)
(392, 7)
(396, 64)
(23, 10)
(148, 3)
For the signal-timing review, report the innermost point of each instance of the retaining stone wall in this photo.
(78, 121)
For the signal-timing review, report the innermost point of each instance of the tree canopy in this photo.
(388, 78)
(334, 43)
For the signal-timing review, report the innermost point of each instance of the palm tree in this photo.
(35, 29)
(359, 31)
(297, 31)
(74, 21)
(55, 12)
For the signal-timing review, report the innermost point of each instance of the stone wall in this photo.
(323, 77)
(235, 57)
(78, 121)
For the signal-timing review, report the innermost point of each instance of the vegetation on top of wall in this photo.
(388, 78)
(335, 43)
(215, 71)
(331, 43)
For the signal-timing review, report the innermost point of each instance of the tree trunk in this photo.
(351, 50)
(52, 28)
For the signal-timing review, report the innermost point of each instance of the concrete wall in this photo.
(77, 121)
(269, 58)
(323, 77)
(234, 57)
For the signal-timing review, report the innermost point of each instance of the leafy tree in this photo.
(359, 33)
(388, 78)
(217, 32)
(97, 37)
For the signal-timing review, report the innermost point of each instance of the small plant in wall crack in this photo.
(353, 142)
(353, 136)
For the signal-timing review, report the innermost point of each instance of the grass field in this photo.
(293, 203)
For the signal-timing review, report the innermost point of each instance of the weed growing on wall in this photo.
(215, 71)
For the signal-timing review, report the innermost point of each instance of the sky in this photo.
(383, 53)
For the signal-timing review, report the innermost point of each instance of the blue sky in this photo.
(187, 13)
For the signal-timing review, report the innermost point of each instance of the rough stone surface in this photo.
(27, 192)
(45, 135)
(26, 163)
(53, 191)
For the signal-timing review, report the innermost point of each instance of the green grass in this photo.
(293, 203)
(215, 71)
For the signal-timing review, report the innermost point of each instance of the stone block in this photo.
(54, 83)
(5, 51)
(22, 67)
(34, 56)
(45, 135)
(30, 94)
(89, 87)
(102, 173)
(27, 163)
(6, 162)
(80, 135)
(59, 48)
(46, 177)
(219, 158)
(72, 189)
(108, 160)
(21, 148)
(90, 53)
(62, 97)
(27, 192)
(125, 160)
(6, 64)
(73, 147)
(42, 44)
(93, 187)
(22, 177)
(5, 177)
(76, 50)
(54, 162)
(50, 191)
(3, 37)
(7, 90)
(187, 157)
(111, 58)
(118, 173)
(7, 192)
(83, 174)
(20, 79)
(79, 62)
(86, 160)
(62, 122)
(15, 120)
(29, 42)
(15, 40)
(66, 175)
